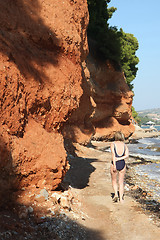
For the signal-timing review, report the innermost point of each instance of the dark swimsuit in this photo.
(120, 164)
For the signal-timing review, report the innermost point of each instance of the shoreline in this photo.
(141, 133)
(137, 203)
(137, 183)
(136, 187)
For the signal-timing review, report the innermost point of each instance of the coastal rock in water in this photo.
(41, 53)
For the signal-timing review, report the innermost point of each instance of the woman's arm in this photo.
(113, 157)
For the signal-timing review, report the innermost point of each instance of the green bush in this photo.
(111, 43)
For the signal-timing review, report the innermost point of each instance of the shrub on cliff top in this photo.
(112, 43)
(100, 31)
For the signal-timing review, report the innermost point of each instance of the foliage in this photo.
(157, 122)
(111, 43)
(136, 116)
(107, 40)
(144, 119)
(128, 59)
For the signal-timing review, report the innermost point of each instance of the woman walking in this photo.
(119, 152)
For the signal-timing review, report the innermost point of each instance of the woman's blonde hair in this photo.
(119, 136)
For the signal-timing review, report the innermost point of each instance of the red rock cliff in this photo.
(47, 88)
(42, 46)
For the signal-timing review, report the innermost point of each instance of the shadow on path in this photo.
(80, 171)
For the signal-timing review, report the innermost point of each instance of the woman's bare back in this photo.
(120, 147)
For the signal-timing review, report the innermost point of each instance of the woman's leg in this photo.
(121, 183)
(114, 181)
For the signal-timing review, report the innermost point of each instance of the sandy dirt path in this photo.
(90, 179)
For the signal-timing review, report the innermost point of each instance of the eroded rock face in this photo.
(105, 106)
(112, 100)
(79, 127)
(39, 158)
(42, 46)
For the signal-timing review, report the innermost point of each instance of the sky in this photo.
(142, 19)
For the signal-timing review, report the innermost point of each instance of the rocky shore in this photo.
(136, 186)
(143, 133)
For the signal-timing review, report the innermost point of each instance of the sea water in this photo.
(157, 127)
(149, 149)
(154, 126)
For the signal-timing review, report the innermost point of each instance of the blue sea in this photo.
(148, 149)
(156, 126)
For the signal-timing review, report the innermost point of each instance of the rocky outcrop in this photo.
(112, 98)
(42, 47)
(105, 106)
